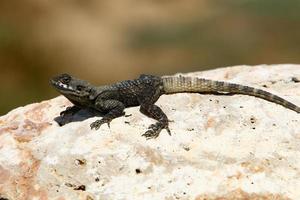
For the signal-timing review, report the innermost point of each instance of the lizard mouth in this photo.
(61, 86)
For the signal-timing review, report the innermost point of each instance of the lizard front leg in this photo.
(155, 112)
(70, 110)
(65, 115)
(113, 108)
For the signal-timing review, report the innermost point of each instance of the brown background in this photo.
(106, 41)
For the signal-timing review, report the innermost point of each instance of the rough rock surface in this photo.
(222, 147)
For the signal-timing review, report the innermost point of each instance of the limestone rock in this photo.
(222, 147)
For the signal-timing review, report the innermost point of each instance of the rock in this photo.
(222, 147)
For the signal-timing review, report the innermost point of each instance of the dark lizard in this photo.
(144, 92)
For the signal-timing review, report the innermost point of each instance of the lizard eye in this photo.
(65, 80)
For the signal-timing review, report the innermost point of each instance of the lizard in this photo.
(111, 100)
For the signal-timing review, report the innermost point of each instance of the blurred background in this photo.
(104, 41)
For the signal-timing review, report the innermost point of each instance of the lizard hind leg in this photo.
(155, 112)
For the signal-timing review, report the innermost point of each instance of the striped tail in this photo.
(173, 84)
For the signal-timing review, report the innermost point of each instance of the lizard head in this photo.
(74, 89)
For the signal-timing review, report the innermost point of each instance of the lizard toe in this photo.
(96, 124)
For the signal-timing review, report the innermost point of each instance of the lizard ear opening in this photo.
(80, 87)
(93, 94)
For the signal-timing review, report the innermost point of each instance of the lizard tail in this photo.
(173, 84)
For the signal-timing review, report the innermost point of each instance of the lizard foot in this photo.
(96, 124)
(154, 130)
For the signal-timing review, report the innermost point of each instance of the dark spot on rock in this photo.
(265, 86)
(253, 128)
(128, 115)
(80, 187)
(241, 106)
(126, 122)
(138, 171)
(186, 148)
(97, 179)
(252, 120)
(69, 185)
(80, 161)
(295, 80)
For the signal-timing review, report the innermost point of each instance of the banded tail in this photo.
(174, 84)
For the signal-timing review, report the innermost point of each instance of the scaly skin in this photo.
(191, 84)
(144, 92)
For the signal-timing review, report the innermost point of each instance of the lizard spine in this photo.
(174, 84)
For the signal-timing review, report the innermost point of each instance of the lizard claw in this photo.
(96, 124)
(168, 130)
